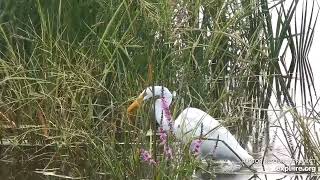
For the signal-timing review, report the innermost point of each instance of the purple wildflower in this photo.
(196, 146)
(164, 141)
(168, 151)
(163, 136)
(167, 113)
(146, 157)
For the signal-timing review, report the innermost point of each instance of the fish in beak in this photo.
(134, 106)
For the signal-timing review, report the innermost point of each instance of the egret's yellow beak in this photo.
(134, 106)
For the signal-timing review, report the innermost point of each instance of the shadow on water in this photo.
(18, 171)
(28, 161)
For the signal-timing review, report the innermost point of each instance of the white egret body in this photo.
(192, 123)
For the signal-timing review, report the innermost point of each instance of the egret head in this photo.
(150, 92)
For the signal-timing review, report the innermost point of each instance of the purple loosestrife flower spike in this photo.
(168, 151)
(196, 146)
(146, 157)
(163, 136)
(167, 113)
(164, 141)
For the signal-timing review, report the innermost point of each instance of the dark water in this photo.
(17, 171)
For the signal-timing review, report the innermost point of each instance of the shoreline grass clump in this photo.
(69, 69)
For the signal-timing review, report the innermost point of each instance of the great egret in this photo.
(192, 123)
